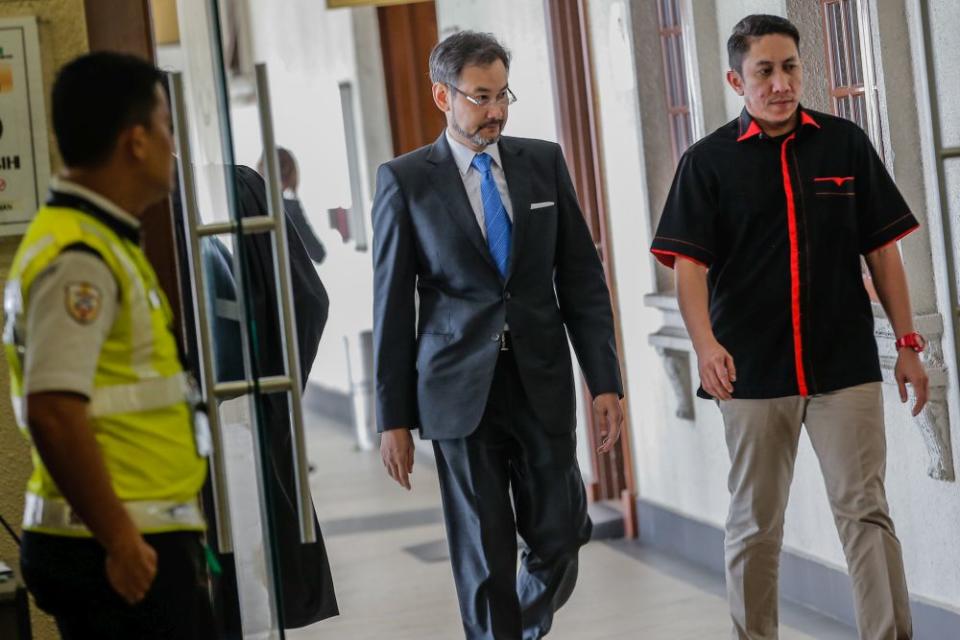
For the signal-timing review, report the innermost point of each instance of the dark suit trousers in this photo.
(510, 453)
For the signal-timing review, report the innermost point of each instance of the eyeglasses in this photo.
(505, 97)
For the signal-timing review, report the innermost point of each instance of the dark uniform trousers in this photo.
(510, 453)
(67, 577)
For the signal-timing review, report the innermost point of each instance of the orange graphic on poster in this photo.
(6, 77)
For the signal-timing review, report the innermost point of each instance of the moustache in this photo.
(499, 123)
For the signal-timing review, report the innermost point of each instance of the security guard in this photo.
(112, 529)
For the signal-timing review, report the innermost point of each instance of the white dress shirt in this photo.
(463, 156)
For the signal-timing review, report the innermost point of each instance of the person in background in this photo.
(289, 182)
(112, 545)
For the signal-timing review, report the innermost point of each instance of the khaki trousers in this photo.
(847, 432)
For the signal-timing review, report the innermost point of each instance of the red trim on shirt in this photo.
(806, 118)
(668, 258)
(794, 267)
(753, 130)
(837, 180)
(897, 239)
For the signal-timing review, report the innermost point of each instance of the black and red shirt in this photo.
(781, 224)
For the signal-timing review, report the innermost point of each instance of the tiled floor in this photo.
(394, 582)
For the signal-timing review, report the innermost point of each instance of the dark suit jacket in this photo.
(434, 364)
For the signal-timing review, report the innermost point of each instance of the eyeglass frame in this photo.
(511, 97)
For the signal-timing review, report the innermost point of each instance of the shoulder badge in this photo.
(83, 302)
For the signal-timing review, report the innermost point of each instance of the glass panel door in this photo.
(245, 347)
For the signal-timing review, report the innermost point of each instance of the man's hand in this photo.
(717, 371)
(609, 413)
(396, 450)
(131, 567)
(909, 370)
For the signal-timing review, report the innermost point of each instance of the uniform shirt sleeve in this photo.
(884, 215)
(71, 307)
(686, 227)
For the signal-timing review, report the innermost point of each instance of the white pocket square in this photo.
(540, 205)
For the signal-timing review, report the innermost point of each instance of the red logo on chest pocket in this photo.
(835, 180)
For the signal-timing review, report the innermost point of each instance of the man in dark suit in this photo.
(488, 232)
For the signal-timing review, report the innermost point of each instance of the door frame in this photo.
(579, 133)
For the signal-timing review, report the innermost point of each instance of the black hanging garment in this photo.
(298, 217)
(306, 584)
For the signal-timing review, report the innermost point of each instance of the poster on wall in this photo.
(24, 157)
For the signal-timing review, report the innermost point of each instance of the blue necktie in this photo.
(495, 217)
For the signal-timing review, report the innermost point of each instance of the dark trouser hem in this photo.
(511, 455)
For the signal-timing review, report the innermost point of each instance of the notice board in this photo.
(24, 155)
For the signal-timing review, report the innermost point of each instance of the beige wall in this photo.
(63, 35)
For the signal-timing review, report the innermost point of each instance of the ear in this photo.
(135, 140)
(735, 80)
(441, 96)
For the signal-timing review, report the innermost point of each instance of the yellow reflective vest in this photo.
(139, 410)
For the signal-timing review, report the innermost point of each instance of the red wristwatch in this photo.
(913, 340)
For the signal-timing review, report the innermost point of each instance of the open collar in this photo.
(748, 127)
(463, 155)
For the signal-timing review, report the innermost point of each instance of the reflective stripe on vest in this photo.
(147, 395)
(148, 515)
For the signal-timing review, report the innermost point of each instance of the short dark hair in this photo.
(754, 26)
(95, 97)
(464, 48)
(289, 171)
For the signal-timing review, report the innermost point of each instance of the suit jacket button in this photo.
(495, 337)
(507, 295)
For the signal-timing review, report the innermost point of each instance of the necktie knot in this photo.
(481, 162)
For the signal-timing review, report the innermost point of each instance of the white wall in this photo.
(309, 50)
(932, 555)
(661, 446)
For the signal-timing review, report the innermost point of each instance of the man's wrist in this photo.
(911, 341)
(704, 344)
(121, 537)
(396, 428)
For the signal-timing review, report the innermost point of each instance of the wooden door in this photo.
(408, 32)
(579, 137)
(126, 27)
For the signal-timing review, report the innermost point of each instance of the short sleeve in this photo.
(686, 227)
(883, 214)
(71, 308)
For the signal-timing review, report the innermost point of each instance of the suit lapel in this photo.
(446, 180)
(516, 167)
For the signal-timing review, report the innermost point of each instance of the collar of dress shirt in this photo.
(463, 155)
(72, 188)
